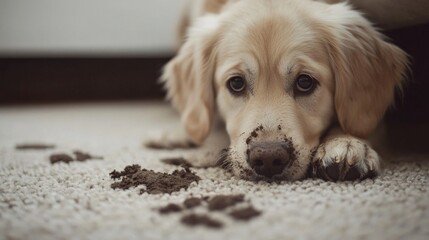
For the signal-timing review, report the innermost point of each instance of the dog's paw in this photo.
(169, 141)
(345, 159)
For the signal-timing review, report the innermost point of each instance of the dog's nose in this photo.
(268, 158)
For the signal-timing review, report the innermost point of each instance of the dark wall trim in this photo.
(42, 80)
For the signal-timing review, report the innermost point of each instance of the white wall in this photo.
(88, 27)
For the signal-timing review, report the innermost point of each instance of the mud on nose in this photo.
(268, 158)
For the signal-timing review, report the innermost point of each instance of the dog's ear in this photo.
(188, 78)
(367, 70)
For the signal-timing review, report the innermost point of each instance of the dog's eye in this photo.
(236, 84)
(305, 84)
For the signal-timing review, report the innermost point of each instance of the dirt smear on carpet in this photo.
(34, 146)
(177, 161)
(79, 156)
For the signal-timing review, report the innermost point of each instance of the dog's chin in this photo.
(296, 170)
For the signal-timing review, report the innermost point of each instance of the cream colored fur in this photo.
(270, 43)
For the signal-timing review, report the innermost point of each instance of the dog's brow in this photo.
(251, 78)
(289, 69)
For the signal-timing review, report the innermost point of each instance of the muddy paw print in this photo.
(218, 203)
(345, 159)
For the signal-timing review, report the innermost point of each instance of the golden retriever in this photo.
(300, 85)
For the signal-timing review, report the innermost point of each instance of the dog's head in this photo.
(280, 73)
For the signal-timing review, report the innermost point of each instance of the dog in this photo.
(300, 85)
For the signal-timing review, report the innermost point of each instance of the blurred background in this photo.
(88, 27)
(81, 50)
(56, 51)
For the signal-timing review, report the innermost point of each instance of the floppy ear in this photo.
(188, 78)
(367, 70)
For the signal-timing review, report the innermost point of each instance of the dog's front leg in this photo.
(204, 155)
(170, 140)
(341, 157)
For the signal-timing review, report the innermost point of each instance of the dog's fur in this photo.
(269, 43)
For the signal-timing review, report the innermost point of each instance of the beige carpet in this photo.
(75, 201)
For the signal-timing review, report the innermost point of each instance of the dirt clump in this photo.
(170, 208)
(200, 219)
(220, 202)
(192, 202)
(155, 182)
(60, 157)
(82, 156)
(245, 214)
(254, 134)
(79, 156)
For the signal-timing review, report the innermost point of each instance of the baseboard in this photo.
(47, 80)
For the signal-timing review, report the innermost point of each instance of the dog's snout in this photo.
(268, 158)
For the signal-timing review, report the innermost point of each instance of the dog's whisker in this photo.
(223, 160)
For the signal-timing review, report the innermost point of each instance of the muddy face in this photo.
(275, 93)
(277, 147)
(271, 142)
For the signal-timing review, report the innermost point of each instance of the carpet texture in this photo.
(75, 201)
